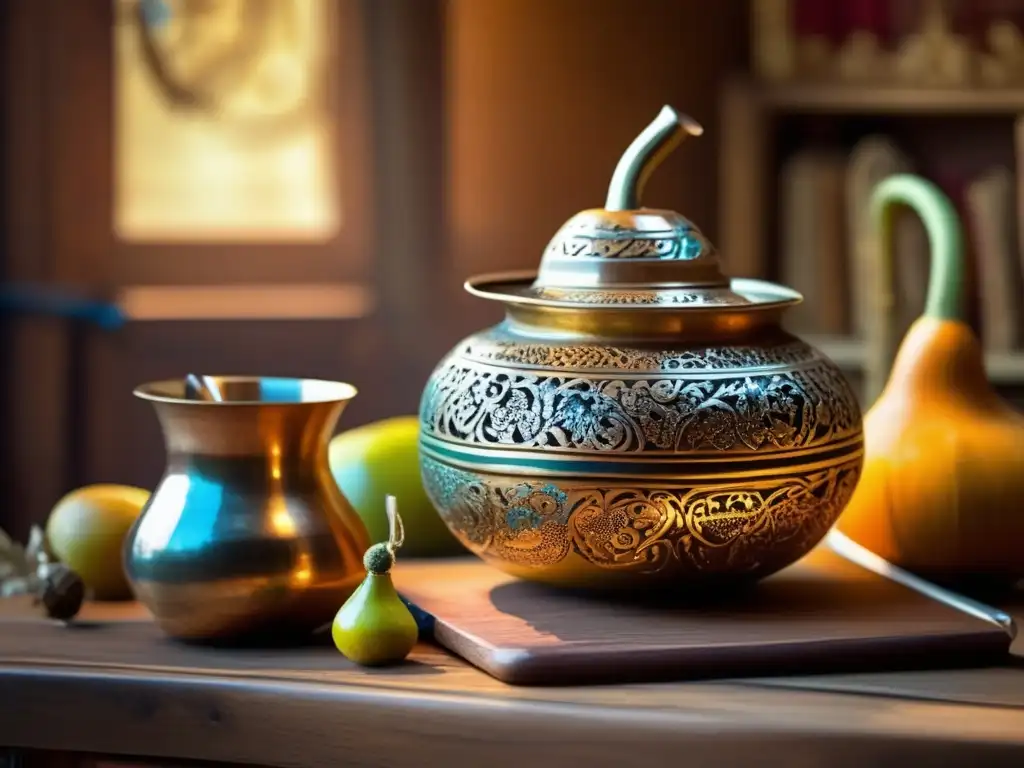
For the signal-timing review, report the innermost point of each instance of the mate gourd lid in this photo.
(625, 255)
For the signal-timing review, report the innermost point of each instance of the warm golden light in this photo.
(302, 574)
(282, 522)
(223, 131)
(275, 462)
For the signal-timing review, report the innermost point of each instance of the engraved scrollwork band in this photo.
(589, 239)
(790, 410)
(748, 525)
(558, 461)
(492, 347)
(661, 297)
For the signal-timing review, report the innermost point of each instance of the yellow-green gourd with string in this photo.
(374, 627)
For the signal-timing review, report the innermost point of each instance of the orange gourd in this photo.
(942, 487)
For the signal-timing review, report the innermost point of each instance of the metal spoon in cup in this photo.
(203, 388)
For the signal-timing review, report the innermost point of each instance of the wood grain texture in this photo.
(131, 692)
(314, 724)
(823, 614)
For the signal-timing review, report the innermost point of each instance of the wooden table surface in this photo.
(112, 685)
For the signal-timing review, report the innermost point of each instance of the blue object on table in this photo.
(31, 300)
(424, 621)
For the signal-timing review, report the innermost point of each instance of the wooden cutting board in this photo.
(824, 614)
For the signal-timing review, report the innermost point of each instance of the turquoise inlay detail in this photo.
(521, 518)
(691, 247)
(638, 468)
(532, 505)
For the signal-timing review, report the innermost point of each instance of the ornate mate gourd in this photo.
(638, 416)
(944, 455)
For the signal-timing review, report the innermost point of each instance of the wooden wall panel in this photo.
(36, 358)
(545, 95)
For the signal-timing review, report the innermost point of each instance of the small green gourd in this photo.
(374, 627)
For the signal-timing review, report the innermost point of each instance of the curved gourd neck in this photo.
(940, 360)
(945, 299)
(644, 155)
(944, 304)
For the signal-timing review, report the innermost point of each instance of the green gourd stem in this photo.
(378, 559)
(946, 270)
(644, 155)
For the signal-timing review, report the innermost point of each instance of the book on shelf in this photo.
(815, 34)
(861, 46)
(774, 51)
(1018, 140)
(903, 19)
(873, 158)
(811, 198)
(945, 43)
(990, 201)
(830, 249)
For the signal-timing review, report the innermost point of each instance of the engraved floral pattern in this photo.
(795, 409)
(491, 347)
(754, 526)
(623, 404)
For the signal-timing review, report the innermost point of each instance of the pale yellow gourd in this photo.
(942, 490)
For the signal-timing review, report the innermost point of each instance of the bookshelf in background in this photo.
(843, 94)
